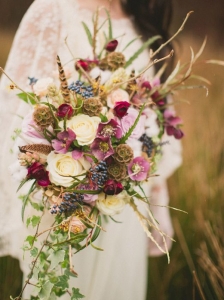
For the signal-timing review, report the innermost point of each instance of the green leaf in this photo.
(22, 183)
(56, 257)
(132, 41)
(143, 47)
(76, 294)
(103, 118)
(53, 297)
(25, 201)
(28, 98)
(46, 290)
(30, 239)
(34, 252)
(38, 207)
(89, 35)
(35, 220)
(78, 238)
(129, 132)
(62, 282)
(110, 29)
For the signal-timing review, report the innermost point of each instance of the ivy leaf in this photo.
(46, 290)
(52, 297)
(30, 239)
(34, 252)
(76, 294)
(62, 282)
(28, 98)
(35, 220)
(56, 257)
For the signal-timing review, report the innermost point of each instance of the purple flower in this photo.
(102, 148)
(38, 172)
(112, 187)
(108, 129)
(121, 108)
(89, 198)
(111, 46)
(65, 110)
(65, 139)
(172, 124)
(128, 120)
(138, 169)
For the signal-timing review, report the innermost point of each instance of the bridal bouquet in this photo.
(88, 146)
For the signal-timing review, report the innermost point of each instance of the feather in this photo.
(36, 148)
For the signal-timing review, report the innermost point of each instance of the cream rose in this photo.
(117, 96)
(62, 166)
(111, 205)
(85, 128)
(41, 86)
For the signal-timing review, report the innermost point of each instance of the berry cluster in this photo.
(69, 204)
(148, 144)
(32, 80)
(79, 88)
(99, 173)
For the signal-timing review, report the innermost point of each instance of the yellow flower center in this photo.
(104, 147)
(136, 168)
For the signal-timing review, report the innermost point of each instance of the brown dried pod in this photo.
(123, 154)
(92, 106)
(117, 171)
(42, 116)
(115, 60)
(36, 148)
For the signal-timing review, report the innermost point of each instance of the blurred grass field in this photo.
(197, 257)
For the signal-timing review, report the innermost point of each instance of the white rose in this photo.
(117, 96)
(41, 86)
(62, 166)
(85, 128)
(111, 205)
(120, 75)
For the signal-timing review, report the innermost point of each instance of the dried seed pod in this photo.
(115, 60)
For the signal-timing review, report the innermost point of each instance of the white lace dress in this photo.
(120, 271)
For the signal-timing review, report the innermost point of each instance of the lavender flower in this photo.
(64, 141)
(102, 148)
(108, 129)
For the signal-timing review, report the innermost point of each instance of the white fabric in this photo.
(120, 271)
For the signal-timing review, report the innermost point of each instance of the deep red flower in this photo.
(38, 172)
(172, 124)
(65, 110)
(121, 108)
(112, 187)
(83, 64)
(111, 46)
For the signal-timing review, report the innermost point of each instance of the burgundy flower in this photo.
(64, 141)
(111, 46)
(138, 169)
(108, 129)
(38, 172)
(121, 108)
(102, 148)
(83, 64)
(146, 85)
(65, 110)
(172, 124)
(112, 187)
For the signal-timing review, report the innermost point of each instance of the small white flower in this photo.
(62, 166)
(41, 86)
(105, 75)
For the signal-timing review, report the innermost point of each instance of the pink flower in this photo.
(112, 187)
(102, 148)
(65, 110)
(127, 121)
(138, 169)
(111, 46)
(108, 129)
(64, 141)
(38, 172)
(172, 124)
(121, 108)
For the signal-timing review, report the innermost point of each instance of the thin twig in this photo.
(198, 285)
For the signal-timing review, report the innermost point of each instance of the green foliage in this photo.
(29, 98)
(129, 132)
(88, 33)
(76, 294)
(45, 291)
(103, 118)
(56, 257)
(140, 50)
(26, 198)
(34, 252)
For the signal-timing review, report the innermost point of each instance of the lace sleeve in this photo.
(32, 54)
